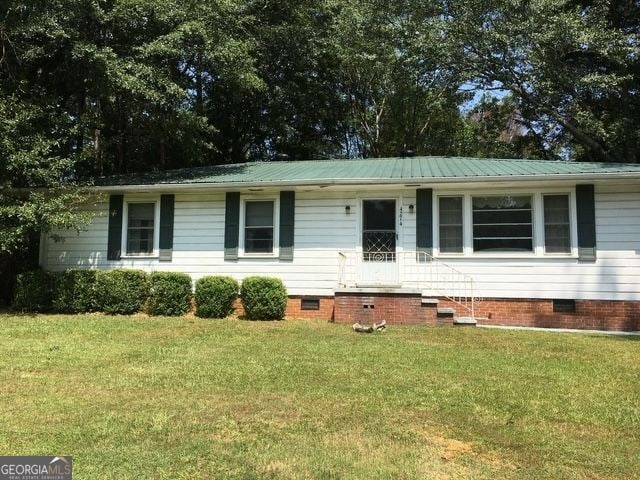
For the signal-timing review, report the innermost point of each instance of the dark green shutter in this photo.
(167, 203)
(231, 225)
(424, 221)
(586, 213)
(287, 218)
(114, 237)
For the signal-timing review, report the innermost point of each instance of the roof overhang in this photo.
(620, 177)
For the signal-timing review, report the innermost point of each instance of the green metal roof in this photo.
(375, 170)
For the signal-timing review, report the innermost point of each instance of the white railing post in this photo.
(342, 260)
(440, 278)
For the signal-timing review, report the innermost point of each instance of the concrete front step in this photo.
(430, 301)
(446, 312)
(464, 321)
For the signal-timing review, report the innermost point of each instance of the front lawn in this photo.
(137, 397)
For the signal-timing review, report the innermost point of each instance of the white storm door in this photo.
(379, 262)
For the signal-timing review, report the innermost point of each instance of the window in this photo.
(310, 303)
(557, 226)
(450, 218)
(564, 306)
(506, 224)
(258, 226)
(140, 228)
(502, 224)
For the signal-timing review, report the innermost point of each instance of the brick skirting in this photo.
(408, 309)
(325, 312)
(394, 308)
(589, 314)
(294, 308)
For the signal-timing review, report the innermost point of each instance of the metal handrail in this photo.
(342, 260)
(419, 269)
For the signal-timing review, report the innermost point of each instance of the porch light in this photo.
(411, 208)
(347, 209)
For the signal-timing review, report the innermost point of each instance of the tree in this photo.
(294, 108)
(572, 66)
(399, 77)
(36, 192)
(93, 88)
(495, 128)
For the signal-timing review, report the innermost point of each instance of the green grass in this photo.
(136, 397)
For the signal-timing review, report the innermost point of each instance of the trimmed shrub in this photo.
(215, 296)
(170, 293)
(264, 298)
(121, 291)
(75, 291)
(34, 291)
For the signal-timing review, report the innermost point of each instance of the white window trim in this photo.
(436, 224)
(573, 225)
(156, 227)
(537, 212)
(276, 225)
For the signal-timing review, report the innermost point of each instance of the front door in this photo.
(379, 264)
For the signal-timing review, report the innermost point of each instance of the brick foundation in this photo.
(589, 314)
(393, 308)
(294, 309)
(408, 309)
(326, 311)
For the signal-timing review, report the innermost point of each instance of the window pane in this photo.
(557, 238)
(501, 203)
(502, 223)
(484, 217)
(259, 214)
(258, 240)
(141, 214)
(450, 217)
(379, 215)
(140, 241)
(502, 245)
(258, 232)
(450, 239)
(502, 230)
(140, 226)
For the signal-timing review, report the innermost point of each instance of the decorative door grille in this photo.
(379, 245)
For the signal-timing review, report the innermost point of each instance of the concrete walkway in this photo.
(563, 330)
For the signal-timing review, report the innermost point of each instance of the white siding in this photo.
(323, 229)
(614, 276)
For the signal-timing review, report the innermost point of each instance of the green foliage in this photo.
(264, 298)
(34, 291)
(400, 75)
(83, 83)
(30, 137)
(121, 291)
(215, 296)
(170, 293)
(495, 128)
(99, 88)
(75, 291)
(572, 69)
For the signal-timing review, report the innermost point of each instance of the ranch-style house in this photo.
(422, 240)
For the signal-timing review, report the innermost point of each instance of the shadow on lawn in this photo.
(624, 338)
